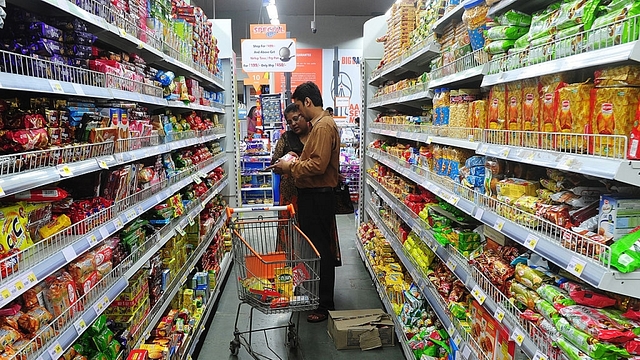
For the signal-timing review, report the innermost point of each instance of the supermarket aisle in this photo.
(354, 290)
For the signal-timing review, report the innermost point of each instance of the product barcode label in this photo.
(56, 87)
(499, 224)
(539, 356)
(451, 329)
(576, 266)
(499, 314)
(478, 294)
(64, 170)
(531, 241)
(80, 325)
(518, 336)
(180, 231)
(102, 164)
(55, 350)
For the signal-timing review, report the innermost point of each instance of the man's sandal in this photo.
(316, 317)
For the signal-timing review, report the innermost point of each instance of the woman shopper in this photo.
(252, 122)
(291, 141)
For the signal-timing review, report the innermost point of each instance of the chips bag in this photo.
(13, 220)
(497, 113)
(612, 111)
(572, 116)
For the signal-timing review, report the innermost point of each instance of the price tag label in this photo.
(104, 232)
(567, 162)
(466, 352)
(454, 200)
(499, 224)
(102, 164)
(131, 215)
(80, 325)
(55, 350)
(478, 294)
(504, 152)
(457, 340)
(184, 279)
(518, 336)
(483, 149)
(158, 199)
(202, 206)
(470, 137)
(29, 279)
(451, 265)
(99, 307)
(499, 314)
(531, 241)
(117, 223)
(122, 32)
(105, 301)
(539, 356)
(69, 253)
(576, 266)
(56, 87)
(5, 293)
(196, 179)
(140, 45)
(19, 285)
(78, 89)
(191, 222)
(451, 329)
(479, 213)
(2, 193)
(429, 139)
(64, 170)
(139, 210)
(180, 231)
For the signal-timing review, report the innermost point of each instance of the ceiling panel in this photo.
(304, 7)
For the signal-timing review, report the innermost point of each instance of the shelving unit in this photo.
(584, 258)
(30, 170)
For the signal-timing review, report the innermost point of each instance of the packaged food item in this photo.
(585, 296)
(541, 22)
(530, 112)
(514, 18)
(549, 110)
(60, 223)
(527, 203)
(547, 310)
(103, 340)
(11, 320)
(551, 185)
(617, 76)
(610, 29)
(8, 335)
(570, 351)
(475, 19)
(15, 236)
(34, 319)
(576, 12)
(82, 267)
(612, 109)
(525, 296)
(625, 254)
(506, 32)
(515, 188)
(596, 324)
(529, 277)
(588, 343)
(499, 46)
(60, 294)
(477, 116)
(514, 112)
(573, 115)
(497, 111)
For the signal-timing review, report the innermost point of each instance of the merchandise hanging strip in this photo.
(523, 332)
(47, 256)
(25, 171)
(67, 328)
(576, 253)
(461, 338)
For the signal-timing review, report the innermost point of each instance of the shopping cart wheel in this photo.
(234, 347)
(292, 337)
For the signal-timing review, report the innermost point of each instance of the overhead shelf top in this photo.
(454, 14)
(500, 73)
(525, 6)
(428, 137)
(120, 38)
(462, 77)
(413, 61)
(393, 100)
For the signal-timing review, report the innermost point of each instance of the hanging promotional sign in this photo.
(268, 55)
(308, 68)
(267, 31)
(347, 102)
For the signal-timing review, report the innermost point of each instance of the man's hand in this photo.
(280, 167)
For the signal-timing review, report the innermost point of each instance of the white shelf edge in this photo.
(426, 138)
(461, 76)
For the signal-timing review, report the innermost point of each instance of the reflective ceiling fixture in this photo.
(272, 11)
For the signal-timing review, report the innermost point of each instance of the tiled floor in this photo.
(354, 290)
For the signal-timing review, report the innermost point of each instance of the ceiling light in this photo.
(272, 10)
(275, 22)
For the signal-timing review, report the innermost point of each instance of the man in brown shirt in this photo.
(315, 174)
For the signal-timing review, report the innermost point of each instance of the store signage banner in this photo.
(269, 55)
(348, 104)
(266, 31)
(308, 68)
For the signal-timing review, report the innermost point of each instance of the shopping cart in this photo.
(277, 269)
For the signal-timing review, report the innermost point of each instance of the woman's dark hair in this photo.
(252, 112)
(308, 90)
(291, 108)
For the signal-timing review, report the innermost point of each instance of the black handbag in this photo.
(343, 199)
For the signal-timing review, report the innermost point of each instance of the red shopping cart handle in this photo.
(231, 211)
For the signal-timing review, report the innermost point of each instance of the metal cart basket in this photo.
(277, 270)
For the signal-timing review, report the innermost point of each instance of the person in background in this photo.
(252, 122)
(330, 110)
(290, 141)
(315, 174)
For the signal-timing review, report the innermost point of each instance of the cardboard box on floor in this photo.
(361, 329)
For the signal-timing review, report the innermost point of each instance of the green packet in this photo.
(587, 343)
(499, 47)
(506, 32)
(514, 18)
(625, 253)
(547, 310)
(522, 42)
(576, 12)
(555, 295)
